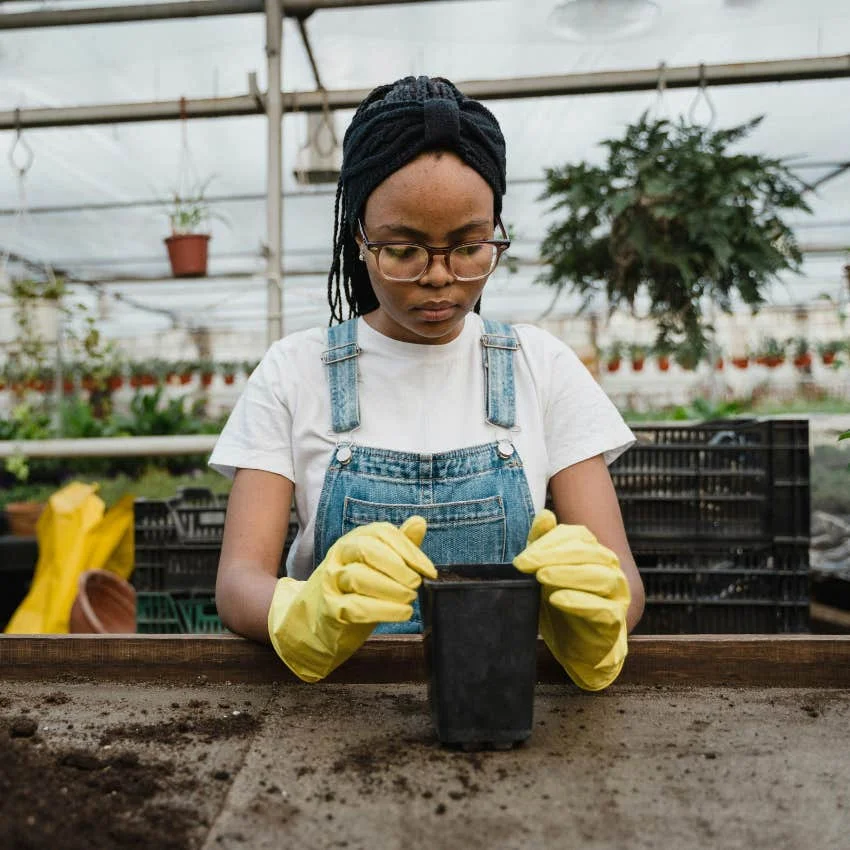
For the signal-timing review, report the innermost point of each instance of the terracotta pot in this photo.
(740, 362)
(206, 379)
(187, 253)
(663, 363)
(22, 517)
(828, 358)
(186, 378)
(105, 604)
(613, 365)
(229, 379)
(637, 365)
(803, 361)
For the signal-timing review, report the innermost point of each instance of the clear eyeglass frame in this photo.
(375, 248)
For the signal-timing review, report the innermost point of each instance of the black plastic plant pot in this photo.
(480, 638)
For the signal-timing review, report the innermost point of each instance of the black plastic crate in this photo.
(733, 480)
(178, 542)
(725, 590)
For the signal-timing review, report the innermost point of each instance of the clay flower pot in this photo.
(22, 517)
(803, 361)
(480, 641)
(187, 253)
(828, 358)
(637, 364)
(663, 363)
(740, 362)
(613, 365)
(105, 604)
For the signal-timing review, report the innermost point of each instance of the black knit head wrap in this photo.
(392, 126)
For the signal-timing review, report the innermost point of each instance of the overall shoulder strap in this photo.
(499, 342)
(341, 359)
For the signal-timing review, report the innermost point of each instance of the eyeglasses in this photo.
(408, 262)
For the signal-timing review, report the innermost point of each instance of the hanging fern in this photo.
(675, 216)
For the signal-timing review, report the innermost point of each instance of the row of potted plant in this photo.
(109, 378)
(770, 353)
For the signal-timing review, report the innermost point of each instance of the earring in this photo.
(362, 254)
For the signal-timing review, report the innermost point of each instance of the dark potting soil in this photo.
(107, 796)
(79, 800)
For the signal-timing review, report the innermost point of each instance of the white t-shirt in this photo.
(414, 398)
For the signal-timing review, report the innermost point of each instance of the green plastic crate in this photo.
(200, 616)
(166, 613)
(156, 613)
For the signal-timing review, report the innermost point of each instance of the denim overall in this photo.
(475, 500)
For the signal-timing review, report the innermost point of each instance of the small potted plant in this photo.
(206, 369)
(662, 353)
(614, 356)
(771, 353)
(184, 370)
(637, 352)
(188, 243)
(228, 370)
(740, 361)
(802, 353)
(828, 351)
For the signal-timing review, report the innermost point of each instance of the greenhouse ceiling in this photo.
(94, 198)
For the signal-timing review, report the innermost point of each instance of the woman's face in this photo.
(436, 199)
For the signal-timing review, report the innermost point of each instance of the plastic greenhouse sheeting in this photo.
(360, 48)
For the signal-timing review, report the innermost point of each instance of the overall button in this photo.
(343, 454)
(505, 448)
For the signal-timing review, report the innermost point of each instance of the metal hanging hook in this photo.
(328, 124)
(20, 144)
(702, 93)
(660, 90)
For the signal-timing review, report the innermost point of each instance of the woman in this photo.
(416, 433)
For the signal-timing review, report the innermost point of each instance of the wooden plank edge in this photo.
(682, 660)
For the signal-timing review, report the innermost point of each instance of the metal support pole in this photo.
(274, 179)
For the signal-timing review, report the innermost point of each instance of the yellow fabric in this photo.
(369, 576)
(584, 600)
(74, 534)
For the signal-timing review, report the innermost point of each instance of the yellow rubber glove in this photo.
(369, 576)
(584, 601)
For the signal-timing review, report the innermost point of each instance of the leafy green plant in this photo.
(705, 409)
(191, 212)
(149, 416)
(675, 216)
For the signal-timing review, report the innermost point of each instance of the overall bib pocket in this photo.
(468, 532)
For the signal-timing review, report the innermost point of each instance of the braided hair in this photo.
(392, 126)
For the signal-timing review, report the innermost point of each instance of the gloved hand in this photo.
(368, 576)
(584, 600)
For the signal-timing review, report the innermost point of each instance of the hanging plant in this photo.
(802, 353)
(829, 351)
(228, 371)
(677, 219)
(637, 353)
(771, 353)
(613, 356)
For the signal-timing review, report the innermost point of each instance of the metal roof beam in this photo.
(174, 11)
(785, 70)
